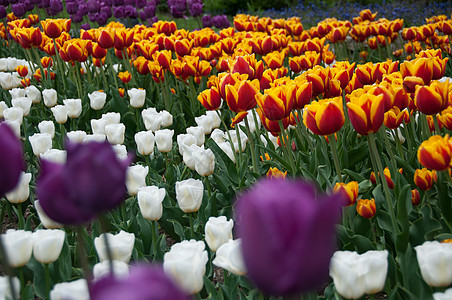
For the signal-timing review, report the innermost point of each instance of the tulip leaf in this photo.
(224, 162)
(354, 176)
(178, 229)
(145, 232)
(362, 243)
(425, 226)
(403, 204)
(39, 282)
(210, 288)
(64, 263)
(357, 155)
(443, 236)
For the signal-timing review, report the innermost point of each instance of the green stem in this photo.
(22, 283)
(154, 228)
(399, 144)
(192, 232)
(5, 261)
(213, 207)
(112, 72)
(285, 145)
(252, 147)
(47, 275)
(332, 140)
(435, 121)
(81, 251)
(79, 79)
(20, 215)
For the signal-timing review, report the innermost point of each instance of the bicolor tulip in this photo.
(210, 98)
(424, 178)
(242, 95)
(394, 117)
(366, 208)
(349, 192)
(54, 27)
(324, 117)
(435, 153)
(420, 67)
(415, 197)
(366, 113)
(432, 99)
(277, 103)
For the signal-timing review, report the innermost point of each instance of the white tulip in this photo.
(205, 122)
(96, 137)
(77, 136)
(8, 81)
(186, 264)
(102, 269)
(150, 200)
(17, 93)
(229, 257)
(218, 230)
(45, 220)
(355, 275)
(435, 262)
(145, 141)
(18, 246)
(50, 97)
(166, 118)
(137, 97)
(47, 244)
(226, 147)
(33, 93)
(60, 113)
(55, 155)
(216, 121)
(120, 151)
(164, 140)
(47, 127)
(204, 162)
(235, 139)
(24, 103)
(189, 194)
(189, 156)
(3, 106)
(152, 119)
(447, 295)
(5, 287)
(97, 100)
(21, 192)
(197, 132)
(111, 118)
(74, 107)
(184, 141)
(121, 246)
(74, 290)
(98, 126)
(115, 133)
(218, 136)
(15, 127)
(40, 143)
(14, 114)
(136, 178)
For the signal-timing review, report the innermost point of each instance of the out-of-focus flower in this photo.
(5, 287)
(47, 244)
(18, 246)
(218, 230)
(189, 194)
(435, 153)
(102, 269)
(435, 262)
(366, 208)
(93, 166)
(121, 246)
(74, 290)
(45, 220)
(295, 260)
(276, 173)
(21, 192)
(349, 192)
(229, 257)
(357, 274)
(11, 159)
(424, 178)
(415, 197)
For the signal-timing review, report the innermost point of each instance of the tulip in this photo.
(419, 67)
(74, 107)
(14, 114)
(294, 260)
(54, 155)
(145, 142)
(45, 220)
(18, 246)
(97, 100)
(47, 245)
(435, 153)
(137, 97)
(53, 28)
(394, 117)
(94, 166)
(415, 197)
(435, 262)
(366, 208)
(102, 269)
(77, 136)
(24, 103)
(164, 140)
(366, 113)
(424, 179)
(432, 99)
(218, 231)
(189, 194)
(21, 192)
(348, 191)
(125, 76)
(115, 133)
(11, 159)
(150, 200)
(240, 97)
(50, 97)
(184, 141)
(74, 290)
(60, 113)
(5, 287)
(121, 246)
(324, 117)
(186, 264)
(198, 133)
(229, 257)
(136, 178)
(277, 102)
(204, 162)
(205, 122)
(210, 98)
(357, 274)
(40, 143)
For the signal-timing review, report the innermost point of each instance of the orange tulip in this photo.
(37, 75)
(388, 178)
(424, 178)
(269, 76)
(274, 173)
(22, 70)
(432, 99)
(324, 117)
(435, 153)
(241, 96)
(277, 102)
(165, 27)
(445, 118)
(210, 98)
(366, 113)
(366, 208)
(125, 76)
(394, 117)
(411, 82)
(262, 45)
(227, 78)
(141, 64)
(121, 92)
(349, 192)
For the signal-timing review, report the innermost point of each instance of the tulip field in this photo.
(255, 159)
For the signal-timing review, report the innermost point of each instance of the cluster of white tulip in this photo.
(10, 79)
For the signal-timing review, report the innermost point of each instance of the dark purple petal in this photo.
(11, 159)
(2, 12)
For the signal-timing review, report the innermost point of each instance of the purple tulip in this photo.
(86, 26)
(82, 8)
(207, 21)
(18, 9)
(130, 11)
(177, 8)
(221, 21)
(288, 235)
(11, 159)
(143, 283)
(118, 2)
(92, 181)
(140, 3)
(101, 19)
(2, 12)
(93, 6)
(72, 7)
(29, 6)
(118, 12)
(107, 3)
(44, 4)
(77, 17)
(129, 2)
(92, 17)
(150, 11)
(195, 7)
(55, 7)
(13, 1)
(106, 10)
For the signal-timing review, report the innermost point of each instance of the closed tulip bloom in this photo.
(47, 245)
(324, 117)
(136, 178)
(229, 257)
(125, 76)
(14, 114)
(241, 95)
(435, 262)
(21, 192)
(97, 100)
(74, 107)
(77, 136)
(349, 192)
(145, 142)
(47, 127)
(435, 153)
(45, 220)
(432, 99)
(189, 155)
(277, 103)
(24, 103)
(54, 155)
(415, 197)
(50, 97)
(205, 122)
(186, 264)
(189, 194)
(166, 118)
(366, 208)
(420, 67)
(204, 162)
(150, 200)
(198, 133)
(424, 178)
(121, 246)
(106, 38)
(184, 141)
(11, 159)
(218, 230)
(394, 117)
(93, 166)
(40, 143)
(5, 287)
(303, 95)
(443, 296)
(387, 175)
(60, 113)
(210, 98)
(74, 290)
(102, 269)
(164, 140)
(355, 275)
(137, 97)
(294, 260)
(366, 113)
(18, 246)
(115, 133)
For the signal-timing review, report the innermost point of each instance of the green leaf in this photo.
(39, 282)
(145, 232)
(210, 288)
(403, 205)
(178, 229)
(362, 243)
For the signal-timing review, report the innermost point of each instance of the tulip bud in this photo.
(150, 200)
(137, 97)
(115, 133)
(47, 245)
(33, 93)
(164, 140)
(229, 257)
(366, 208)
(136, 178)
(74, 107)
(435, 153)
(97, 100)
(218, 231)
(45, 220)
(18, 246)
(60, 113)
(189, 194)
(22, 191)
(424, 179)
(5, 287)
(435, 262)
(204, 162)
(349, 191)
(47, 127)
(102, 269)
(50, 97)
(145, 142)
(74, 290)
(40, 143)
(121, 246)
(415, 197)
(198, 132)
